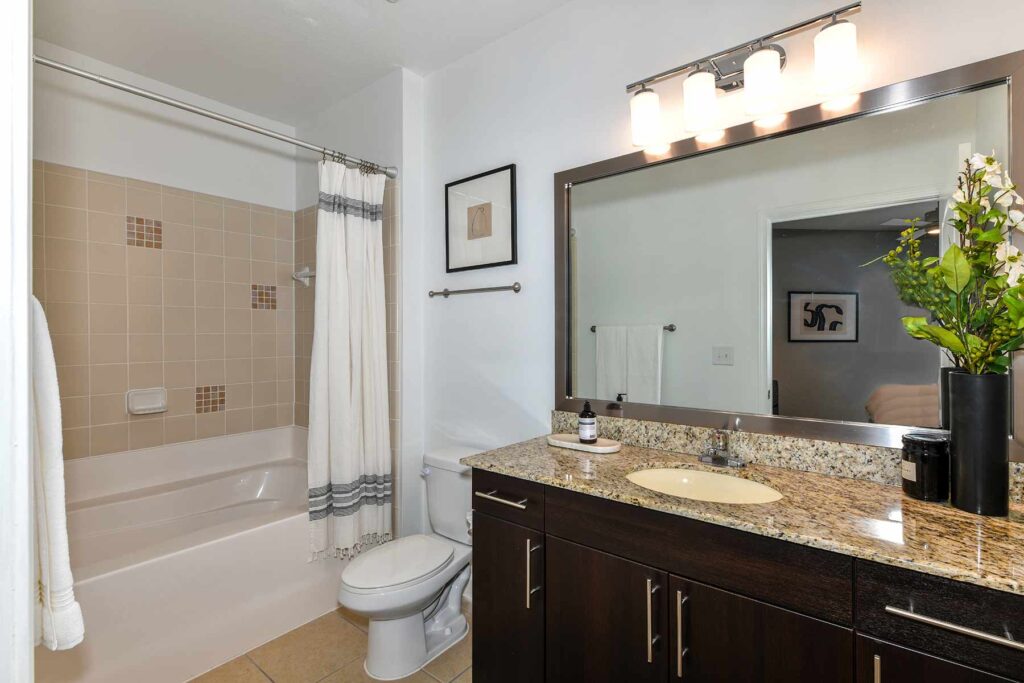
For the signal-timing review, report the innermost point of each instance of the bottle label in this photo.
(909, 470)
(588, 429)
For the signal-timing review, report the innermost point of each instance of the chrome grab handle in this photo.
(494, 497)
(651, 638)
(955, 628)
(878, 669)
(680, 650)
(530, 590)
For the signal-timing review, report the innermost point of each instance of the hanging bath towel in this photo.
(349, 450)
(59, 624)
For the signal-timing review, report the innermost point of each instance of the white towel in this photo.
(59, 624)
(612, 373)
(643, 364)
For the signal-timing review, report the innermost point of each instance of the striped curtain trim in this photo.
(342, 500)
(336, 203)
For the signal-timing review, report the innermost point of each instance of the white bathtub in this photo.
(188, 555)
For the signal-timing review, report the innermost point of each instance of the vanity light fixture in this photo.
(762, 92)
(645, 118)
(756, 66)
(700, 106)
(836, 65)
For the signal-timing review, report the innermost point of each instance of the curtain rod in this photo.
(390, 171)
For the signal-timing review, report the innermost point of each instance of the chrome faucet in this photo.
(717, 452)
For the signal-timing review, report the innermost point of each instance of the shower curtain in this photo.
(349, 451)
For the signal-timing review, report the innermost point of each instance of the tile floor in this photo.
(331, 650)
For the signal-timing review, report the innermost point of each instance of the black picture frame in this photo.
(511, 168)
(822, 340)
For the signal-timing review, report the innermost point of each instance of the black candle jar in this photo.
(925, 467)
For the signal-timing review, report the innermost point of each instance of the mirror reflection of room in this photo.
(712, 247)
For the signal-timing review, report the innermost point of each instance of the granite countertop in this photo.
(849, 516)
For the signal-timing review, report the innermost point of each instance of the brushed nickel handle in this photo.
(878, 669)
(651, 637)
(494, 497)
(955, 628)
(530, 589)
(680, 650)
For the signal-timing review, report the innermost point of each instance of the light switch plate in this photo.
(721, 355)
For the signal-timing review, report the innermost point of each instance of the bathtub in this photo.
(188, 555)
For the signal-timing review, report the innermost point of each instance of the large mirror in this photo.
(744, 279)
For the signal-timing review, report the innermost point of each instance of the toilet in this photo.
(411, 588)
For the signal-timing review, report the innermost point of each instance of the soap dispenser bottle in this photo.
(588, 424)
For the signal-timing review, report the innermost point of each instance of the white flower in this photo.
(985, 203)
(1015, 216)
(995, 180)
(1012, 260)
(978, 161)
(959, 196)
(1014, 274)
(1008, 198)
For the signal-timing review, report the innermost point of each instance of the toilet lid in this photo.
(408, 559)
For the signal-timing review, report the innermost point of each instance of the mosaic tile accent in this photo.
(264, 297)
(858, 518)
(144, 232)
(210, 399)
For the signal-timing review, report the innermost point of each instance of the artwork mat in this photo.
(498, 188)
(850, 300)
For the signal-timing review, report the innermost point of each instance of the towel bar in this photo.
(671, 327)
(515, 287)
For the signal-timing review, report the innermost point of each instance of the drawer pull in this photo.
(955, 628)
(878, 669)
(494, 497)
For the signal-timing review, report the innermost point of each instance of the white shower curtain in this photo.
(349, 450)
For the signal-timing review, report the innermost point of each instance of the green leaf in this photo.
(1014, 306)
(995, 235)
(929, 262)
(918, 328)
(956, 271)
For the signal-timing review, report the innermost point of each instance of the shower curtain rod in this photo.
(390, 171)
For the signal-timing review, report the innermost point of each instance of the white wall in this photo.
(687, 242)
(87, 125)
(550, 97)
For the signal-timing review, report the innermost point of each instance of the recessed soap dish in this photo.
(146, 401)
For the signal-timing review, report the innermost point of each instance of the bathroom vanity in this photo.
(582, 575)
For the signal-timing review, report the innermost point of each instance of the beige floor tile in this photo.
(453, 662)
(465, 678)
(311, 652)
(363, 623)
(353, 672)
(239, 670)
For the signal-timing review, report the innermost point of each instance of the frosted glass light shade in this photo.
(836, 65)
(762, 83)
(700, 103)
(645, 119)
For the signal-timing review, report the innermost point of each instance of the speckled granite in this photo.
(849, 516)
(871, 463)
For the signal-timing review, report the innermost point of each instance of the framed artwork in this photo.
(823, 316)
(480, 220)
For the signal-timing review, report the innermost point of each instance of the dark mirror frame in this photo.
(1007, 69)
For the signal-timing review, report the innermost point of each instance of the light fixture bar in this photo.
(765, 39)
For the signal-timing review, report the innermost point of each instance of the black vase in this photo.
(944, 373)
(978, 443)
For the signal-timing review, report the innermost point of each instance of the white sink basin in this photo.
(707, 486)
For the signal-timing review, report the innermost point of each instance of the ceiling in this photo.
(883, 218)
(284, 59)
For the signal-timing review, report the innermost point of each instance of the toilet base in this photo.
(400, 647)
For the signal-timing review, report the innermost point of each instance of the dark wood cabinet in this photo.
(606, 619)
(508, 601)
(881, 662)
(720, 636)
(574, 588)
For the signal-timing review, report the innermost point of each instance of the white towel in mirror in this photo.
(644, 345)
(612, 372)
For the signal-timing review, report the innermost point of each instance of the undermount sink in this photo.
(706, 486)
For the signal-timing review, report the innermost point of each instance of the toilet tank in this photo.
(449, 487)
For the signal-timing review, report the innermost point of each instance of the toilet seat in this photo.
(398, 564)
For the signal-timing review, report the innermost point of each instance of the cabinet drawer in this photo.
(977, 626)
(514, 500)
(807, 580)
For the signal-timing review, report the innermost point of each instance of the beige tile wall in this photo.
(305, 255)
(179, 313)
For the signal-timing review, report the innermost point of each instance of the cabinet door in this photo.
(606, 617)
(508, 603)
(881, 662)
(720, 636)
